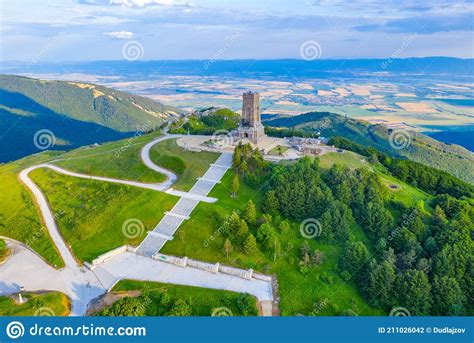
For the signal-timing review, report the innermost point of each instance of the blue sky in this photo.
(70, 30)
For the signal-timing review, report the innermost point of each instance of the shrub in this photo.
(246, 304)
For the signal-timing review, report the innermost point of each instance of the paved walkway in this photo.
(136, 267)
(48, 217)
(169, 224)
(28, 270)
(145, 156)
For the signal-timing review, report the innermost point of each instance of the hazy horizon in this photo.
(242, 59)
(103, 30)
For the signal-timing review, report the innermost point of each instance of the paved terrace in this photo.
(26, 269)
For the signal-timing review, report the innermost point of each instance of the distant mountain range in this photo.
(76, 113)
(290, 68)
(453, 159)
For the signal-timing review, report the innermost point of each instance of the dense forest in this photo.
(419, 257)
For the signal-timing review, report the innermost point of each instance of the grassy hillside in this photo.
(453, 159)
(76, 113)
(91, 214)
(187, 165)
(201, 238)
(119, 160)
(38, 304)
(19, 217)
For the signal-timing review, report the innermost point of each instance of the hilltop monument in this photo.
(251, 126)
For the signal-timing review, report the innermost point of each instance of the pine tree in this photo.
(381, 283)
(284, 227)
(227, 247)
(243, 168)
(235, 186)
(234, 224)
(275, 247)
(250, 214)
(447, 297)
(250, 245)
(242, 231)
(356, 261)
(413, 291)
(270, 204)
(237, 159)
(265, 233)
(378, 220)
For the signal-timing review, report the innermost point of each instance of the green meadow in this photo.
(92, 215)
(37, 304)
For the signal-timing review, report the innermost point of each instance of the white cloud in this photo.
(120, 34)
(141, 3)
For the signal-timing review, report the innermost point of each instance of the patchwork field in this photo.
(418, 104)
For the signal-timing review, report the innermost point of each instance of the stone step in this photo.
(150, 245)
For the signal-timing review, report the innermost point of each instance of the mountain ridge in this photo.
(451, 158)
(73, 114)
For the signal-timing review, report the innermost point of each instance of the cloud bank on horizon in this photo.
(82, 30)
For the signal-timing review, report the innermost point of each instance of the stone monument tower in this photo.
(250, 124)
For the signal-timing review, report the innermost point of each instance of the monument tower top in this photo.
(251, 109)
(250, 124)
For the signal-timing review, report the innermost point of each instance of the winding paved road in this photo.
(82, 285)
